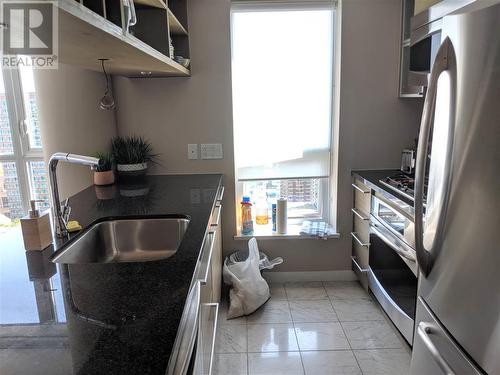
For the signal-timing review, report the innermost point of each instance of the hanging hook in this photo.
(107, 102)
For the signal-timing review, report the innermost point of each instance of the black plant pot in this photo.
(132, 171)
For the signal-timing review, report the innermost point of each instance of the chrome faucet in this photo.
(57, 215)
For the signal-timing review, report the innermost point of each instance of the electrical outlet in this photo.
(211, 151)
(192, 151)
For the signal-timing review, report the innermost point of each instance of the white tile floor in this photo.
(311, 328)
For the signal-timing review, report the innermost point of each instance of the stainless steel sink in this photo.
(126, 240)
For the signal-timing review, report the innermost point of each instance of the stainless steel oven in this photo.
(393, 270)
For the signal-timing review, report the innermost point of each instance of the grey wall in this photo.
(172, 112)
(70, 120)
(373, 124)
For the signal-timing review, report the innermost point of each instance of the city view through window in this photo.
(303, 195)
(22, 169)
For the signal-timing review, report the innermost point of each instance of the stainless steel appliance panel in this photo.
(392, 276)
(457, 242)
(401, 320)
(395, 217)
(434, 351)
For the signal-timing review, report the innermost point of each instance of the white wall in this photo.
(374, 125)
(71, 121)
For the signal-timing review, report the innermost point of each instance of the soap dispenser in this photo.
(36, 230)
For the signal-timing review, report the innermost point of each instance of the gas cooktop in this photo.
(403, 184)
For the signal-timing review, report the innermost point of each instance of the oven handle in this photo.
(393, 244)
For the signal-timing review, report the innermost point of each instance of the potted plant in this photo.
(104, 175)
(132, 155)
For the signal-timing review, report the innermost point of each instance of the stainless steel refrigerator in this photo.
(457, 326)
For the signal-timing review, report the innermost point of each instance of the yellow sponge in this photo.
(73, 226)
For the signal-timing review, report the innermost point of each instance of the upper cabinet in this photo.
(141, 38)
(407, 89)
(420, 41)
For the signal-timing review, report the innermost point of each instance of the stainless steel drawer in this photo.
(206, 339)
(434, 350)
(361, 228)
(360, 235)
(401, 320)
(362, 196)
(361, 272)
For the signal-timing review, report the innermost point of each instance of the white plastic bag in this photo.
(249, 290)
(264, 262)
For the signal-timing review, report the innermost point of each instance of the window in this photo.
(22, 169)
(282, 77)
(33, 137)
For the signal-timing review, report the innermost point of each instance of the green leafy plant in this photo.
(132, 150)
(106, 158)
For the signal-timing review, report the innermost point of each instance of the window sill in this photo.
(265, 232)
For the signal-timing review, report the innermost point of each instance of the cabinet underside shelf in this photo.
(85, 37)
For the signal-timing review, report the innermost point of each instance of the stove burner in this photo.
(403, 184)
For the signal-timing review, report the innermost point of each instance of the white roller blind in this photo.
(282, 90)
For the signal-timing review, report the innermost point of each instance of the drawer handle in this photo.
(355, 236)
(424, 331)
(359, 189)
(218, 207)
(207, 257)
(360, 269)
(393, 244)
(187, 334)
(359, 214)
(221, 194)
(216, 317)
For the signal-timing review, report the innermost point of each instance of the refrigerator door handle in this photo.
(424, 331)
(445, 61)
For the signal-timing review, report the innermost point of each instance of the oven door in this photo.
(396, 216)
(392, 276)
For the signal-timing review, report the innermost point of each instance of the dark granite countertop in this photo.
(124, 316)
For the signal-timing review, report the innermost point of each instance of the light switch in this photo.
(211, 151)
(193, 151)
